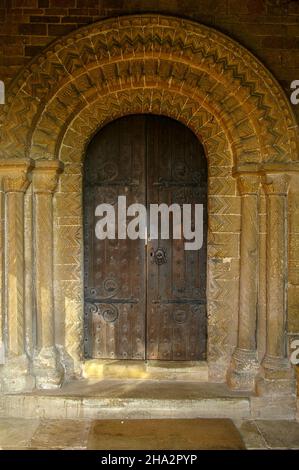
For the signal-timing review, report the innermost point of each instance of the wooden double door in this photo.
(144, 299)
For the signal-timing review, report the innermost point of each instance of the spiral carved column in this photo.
(244, 364)
(47, 368)
(15, 373)
(276, 375)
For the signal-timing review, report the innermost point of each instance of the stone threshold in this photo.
(143, 399)
(189, 371)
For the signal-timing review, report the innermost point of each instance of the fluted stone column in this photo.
(47, 368)
(276, 375)
(15, 374)
(244, 364)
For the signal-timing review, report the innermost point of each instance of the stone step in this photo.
(149, 370)
(59, 407)
(143, 399)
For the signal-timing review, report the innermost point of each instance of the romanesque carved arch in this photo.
(148, 50)
(162, 65)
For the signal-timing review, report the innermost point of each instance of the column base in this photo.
(243, 370)
(15, 375)
(68, 364)
(47, 369)
(276, 377)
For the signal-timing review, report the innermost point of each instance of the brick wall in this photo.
(270, 31)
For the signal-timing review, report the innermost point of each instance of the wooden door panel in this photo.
(134, 307)
(176, 300)
(115, 288)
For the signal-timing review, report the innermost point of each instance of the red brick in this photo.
(78, 11)
(258, 29)
(290, 61)
(12, 60)
(253, 7)
(56, 11)
(45, 19)
(26, 3)
(40, 40)
(9, 29)
(292, 43)
(60, 29)
(34, 11)
(87, 3)
(76, 19)
(8, 72)
(63, 3)
(31, 51)
(11, 40)
(273, 42)
(13, 50)
(293, 8)
(34, 29)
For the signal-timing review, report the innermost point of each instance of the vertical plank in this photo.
(176, 316)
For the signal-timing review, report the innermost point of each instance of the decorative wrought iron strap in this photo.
(111, 183)
(111, 301)
(180, 301)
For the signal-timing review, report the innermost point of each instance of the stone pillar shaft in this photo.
(14, 178)
(2, 289)
(276, 275)
(276, 373)
(44, 269)
(244, 360)
(15, 272)
(248, 273)
(47, 368)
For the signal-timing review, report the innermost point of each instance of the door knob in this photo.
(159, 256)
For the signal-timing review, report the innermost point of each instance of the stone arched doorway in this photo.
(172, 67)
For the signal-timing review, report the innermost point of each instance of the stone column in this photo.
(244, 364)
(2, 284)
(276, 372)
(15, 374)
(47, 368)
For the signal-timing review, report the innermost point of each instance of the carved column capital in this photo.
(45, 175)
(276, 183)
(248, 184)
(15, 174)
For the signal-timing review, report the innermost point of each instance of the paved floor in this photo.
(148, 434)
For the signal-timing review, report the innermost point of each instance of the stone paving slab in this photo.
(16, 433)
(61, 434)
(209, 434)
(280, 434)
(252, 436)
